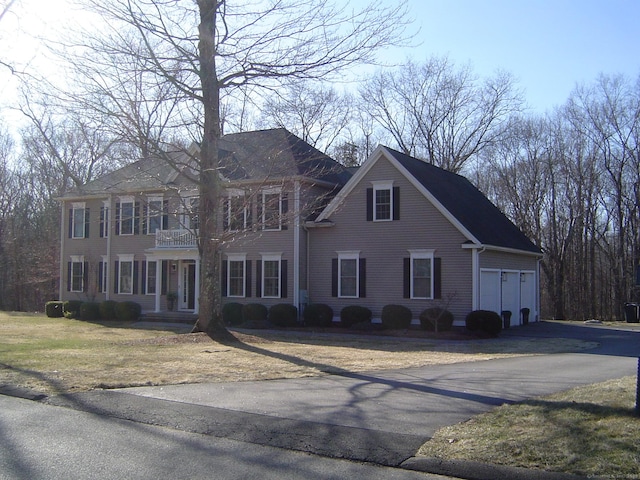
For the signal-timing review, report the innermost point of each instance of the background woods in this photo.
(570, 179)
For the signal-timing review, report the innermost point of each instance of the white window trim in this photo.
(106, 205)
(239, 257)
(272, 257)
(77, 259)
(264, 193)
(349, 255)
(83, 207)
(124, 259)
(159, 213)
(422, 254)
(185, 215)
(132, 201)
(146, 277)
(236, 193)
(382, 185)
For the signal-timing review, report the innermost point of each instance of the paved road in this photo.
(380, 417)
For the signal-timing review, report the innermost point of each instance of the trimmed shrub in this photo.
(128, 311)
(318, 315)
(485, 321)
(232, 313)
(254, 312)
(71, 308)
(354, 314)
(90, 311)
(396, 317)
(108, 309)
(283, 315)
(54, 309)
(436, 316)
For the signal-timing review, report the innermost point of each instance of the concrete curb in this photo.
(470, 470)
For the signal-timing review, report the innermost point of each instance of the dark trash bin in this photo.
(631, 312)
(506, 318)
(525, 316)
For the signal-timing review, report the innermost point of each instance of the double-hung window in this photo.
(155, 214)
(79, 220)
(421, 274)
(127, 216)
(271, 210)
(125, 274)
(151, 276)
(77, 273)
(271, 273)
(191, 213)
(236, 212)
(236, 275)
(103, 275)
(383, 201)
(348, 274)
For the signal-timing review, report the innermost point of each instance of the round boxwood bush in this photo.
(283, 315)
(254, 312)
(396, 317)
(436, 316)
(485, 321)
(71, 308)
(354, 314)
(54, 309)
(128, 311)
(90, 311)
(318, 315)
(232, 313)
(108, 310)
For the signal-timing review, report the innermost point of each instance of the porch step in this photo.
(169, 317)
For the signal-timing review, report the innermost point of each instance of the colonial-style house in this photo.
(297, 227)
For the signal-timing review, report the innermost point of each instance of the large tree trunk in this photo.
(210, 318)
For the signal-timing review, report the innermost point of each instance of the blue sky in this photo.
(548, 45)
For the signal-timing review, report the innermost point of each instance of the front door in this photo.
(188, 285)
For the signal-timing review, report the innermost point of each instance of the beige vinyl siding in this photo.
(385, 244)
(507, 261)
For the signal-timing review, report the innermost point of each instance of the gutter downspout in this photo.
(109, 235)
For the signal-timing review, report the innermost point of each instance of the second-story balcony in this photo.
(176, 239)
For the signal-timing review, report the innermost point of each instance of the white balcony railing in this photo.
(175, 239)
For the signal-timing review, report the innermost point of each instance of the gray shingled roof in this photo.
(256, 155)
(467, 204)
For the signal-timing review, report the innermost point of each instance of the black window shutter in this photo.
(117, 219)
(70, 222)
(68, 276)
(100, 275)
(165, 215)
(136, 219)
(259, 278)
(143, 284)
(369, 204)
(285, 211)
(437, 278)
(283, 279)
(259, 213)
(334, 277)
(247, 279)
(86, 223)
(136, 267)
(116, 277)
(362, 266)
(85, 277)
(406, 277)
(223, 278)
(165, 275)
(249, 210)
(396, 203)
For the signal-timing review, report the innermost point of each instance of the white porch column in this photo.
(197, 287)
(158, 284)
